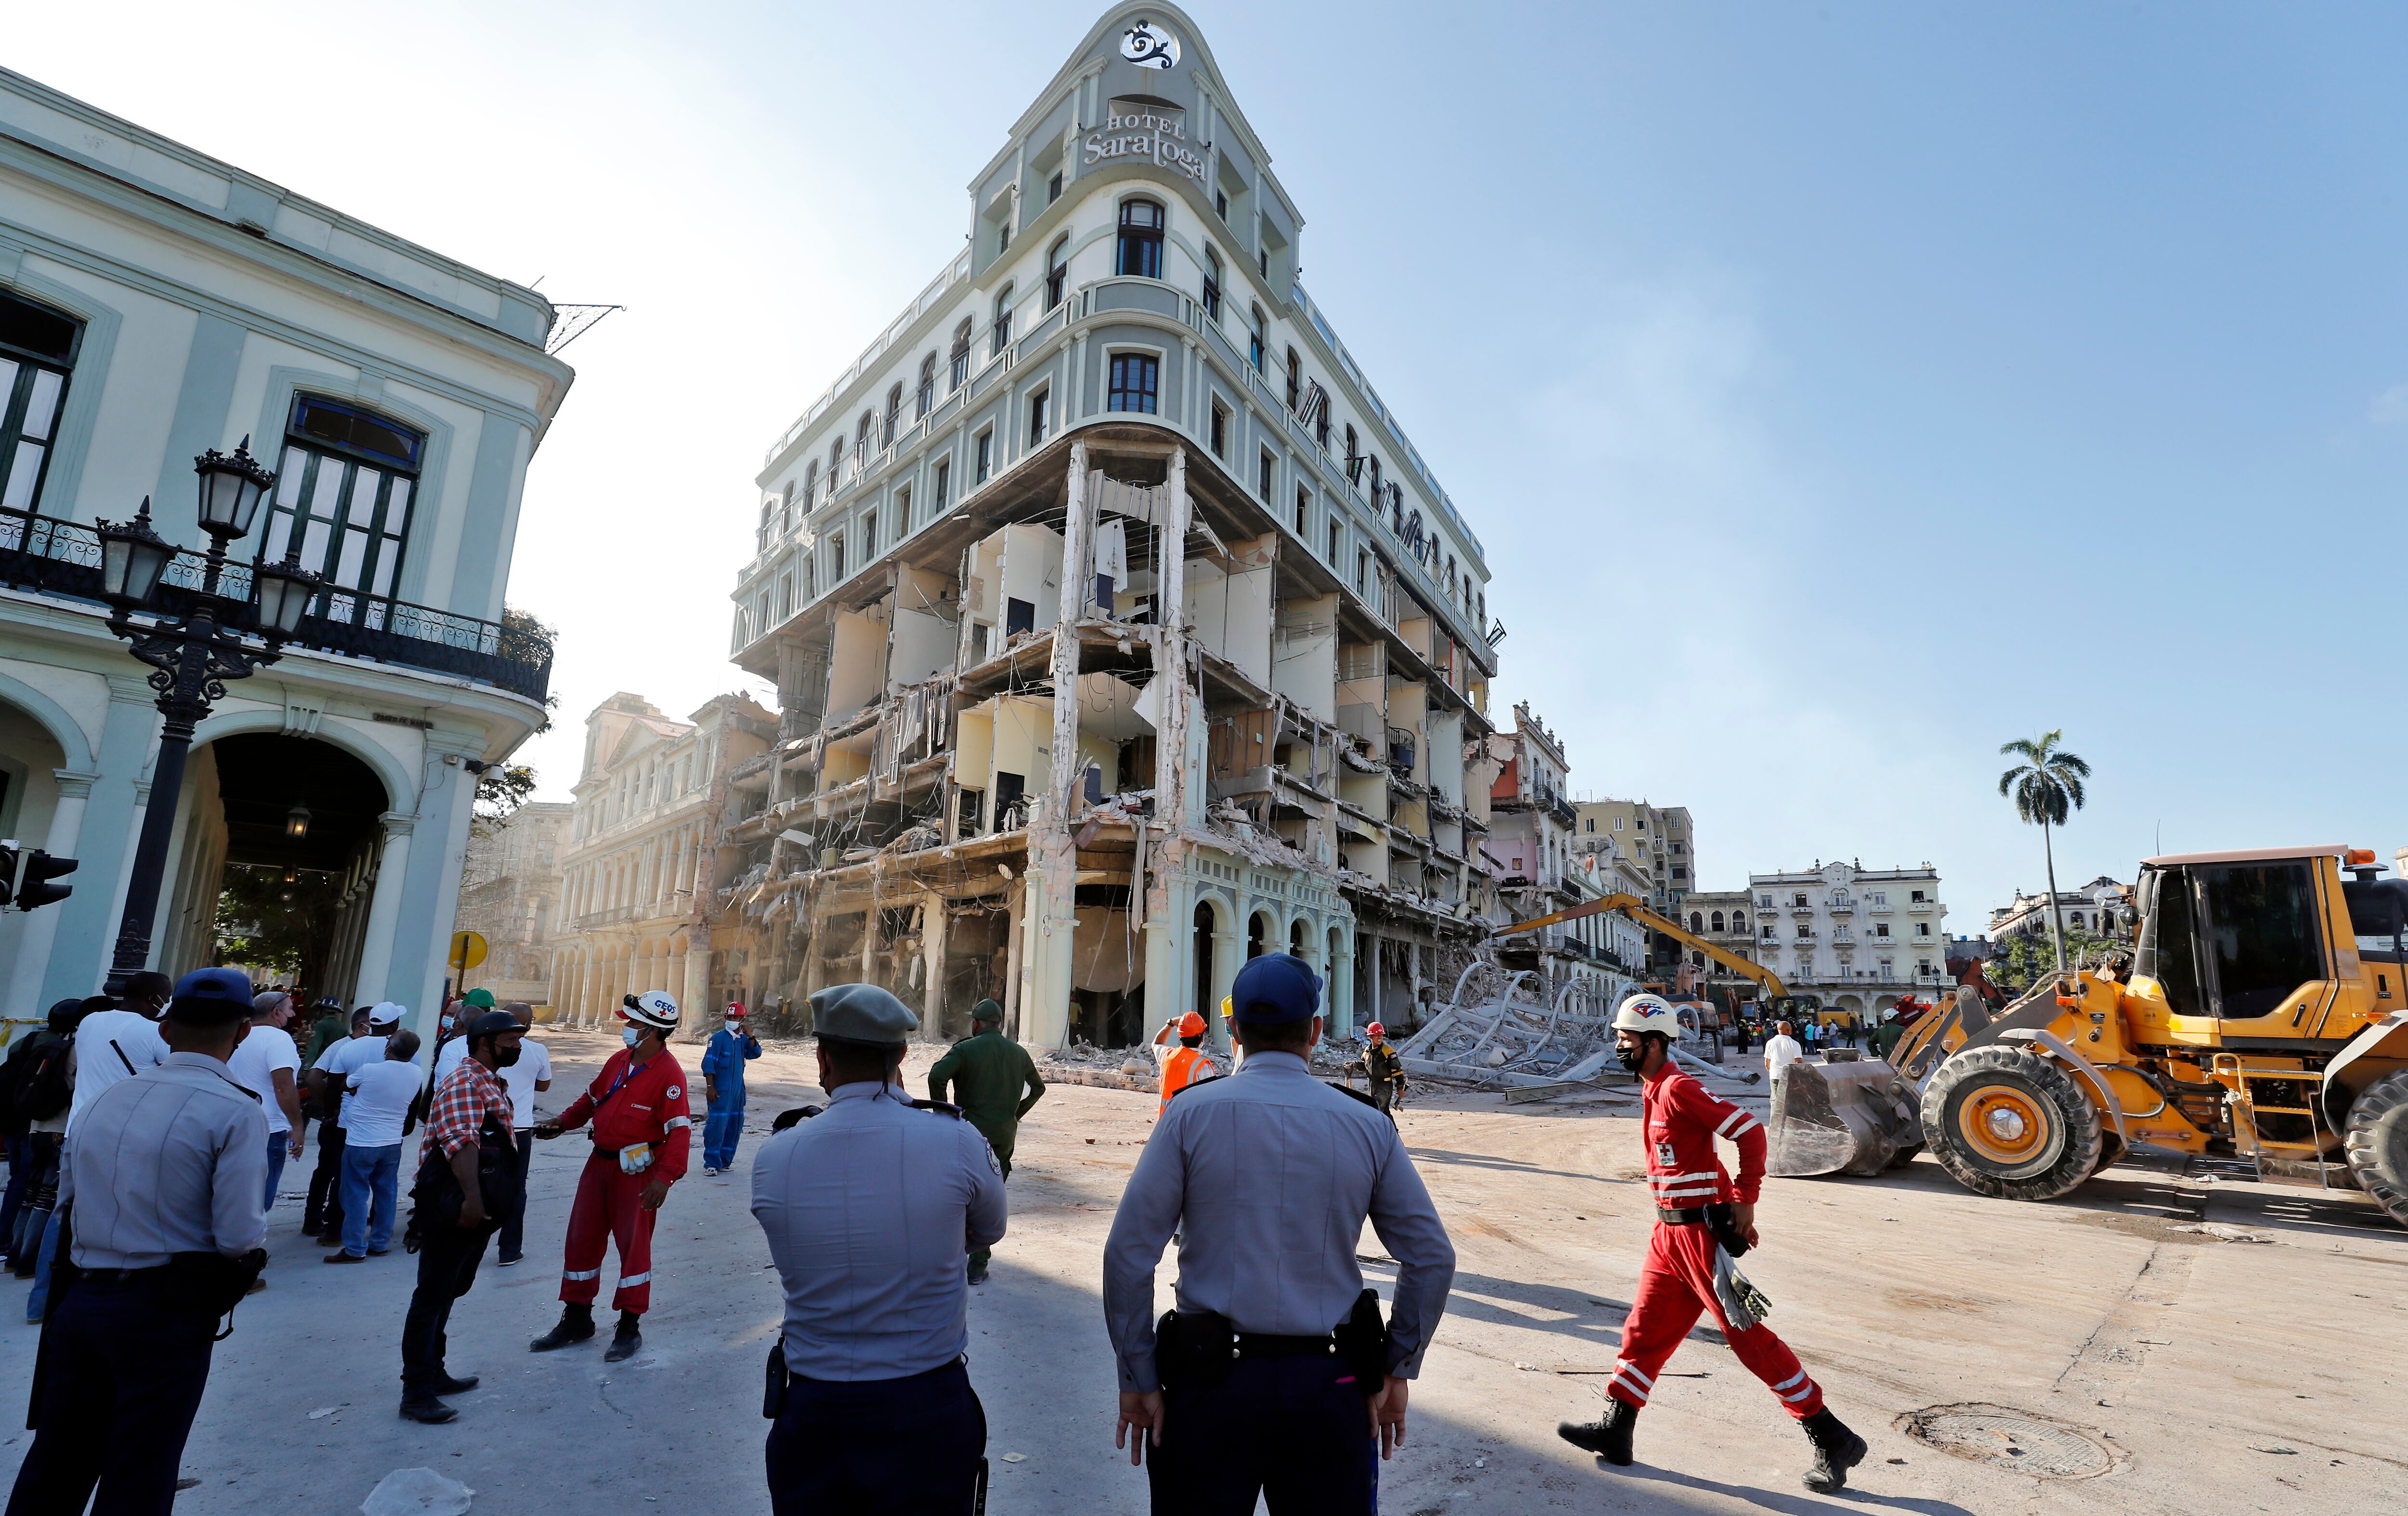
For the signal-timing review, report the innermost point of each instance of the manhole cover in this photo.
(2006, 1437)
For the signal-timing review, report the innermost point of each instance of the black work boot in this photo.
(447, 1385)
(1610, 1439)
(1836, 1450)
(426, 1408)
(576, 1324)
(628, 1340)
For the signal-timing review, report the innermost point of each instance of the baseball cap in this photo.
(1275, 988)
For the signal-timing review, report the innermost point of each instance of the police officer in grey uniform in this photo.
(1275, 1376)
(162, 1195)
(871, 1209)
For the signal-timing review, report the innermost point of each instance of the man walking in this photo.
(732, 1046)
(160, 1189)
(266, 1065)
(866, 1208)
(329, 1080)
(1275, 1378)
(467, 1131)
(525, 1078)
(377, 1107)
(995, 1082)
(1383, 1069)
(643, 1126)
(1702, 1221)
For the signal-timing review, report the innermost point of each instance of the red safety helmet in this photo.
(735, 1011)
(1375, 1030)
(1191, 1025)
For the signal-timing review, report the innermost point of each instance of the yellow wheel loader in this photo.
(2260, 1031)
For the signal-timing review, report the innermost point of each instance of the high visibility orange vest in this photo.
(1179, 1070)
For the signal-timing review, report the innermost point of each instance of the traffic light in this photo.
(25, 875)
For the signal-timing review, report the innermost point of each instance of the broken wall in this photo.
(1304, 654)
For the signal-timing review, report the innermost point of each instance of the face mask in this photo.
(737, 1027)
(631, 1037)
(505, 1056)
(1631, 1058)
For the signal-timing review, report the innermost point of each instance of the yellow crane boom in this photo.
(1633, 907)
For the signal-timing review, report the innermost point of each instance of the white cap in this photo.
(651, 1009)
(1648, 1013)
(384, 1013)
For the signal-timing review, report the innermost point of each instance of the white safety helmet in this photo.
(651, 1009)
(1648, 1013)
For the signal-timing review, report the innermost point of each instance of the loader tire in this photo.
(2008, 1124)
(2376, 1143)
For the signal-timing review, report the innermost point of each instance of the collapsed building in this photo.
(1119, 633)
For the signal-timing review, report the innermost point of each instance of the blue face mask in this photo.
(631, 1037)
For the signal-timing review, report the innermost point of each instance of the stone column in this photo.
(384, 907)
(34, 948)
(933, 922)
(694, 1001)
(1014, 950)
(1053, 856)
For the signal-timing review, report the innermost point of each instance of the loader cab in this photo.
(2243, 949)
(2378, 919)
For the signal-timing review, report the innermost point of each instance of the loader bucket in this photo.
(1842, 1119)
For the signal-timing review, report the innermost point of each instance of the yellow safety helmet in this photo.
(1228, 1008)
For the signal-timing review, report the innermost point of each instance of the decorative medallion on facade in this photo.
(1150, 45)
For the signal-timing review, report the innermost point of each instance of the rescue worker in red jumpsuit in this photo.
(643, 1129)
(1702, 1215)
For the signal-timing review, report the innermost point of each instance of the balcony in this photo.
(62, 559)
(1801, 912)
(1877, 907)
(1842, 907)
(1925, 907)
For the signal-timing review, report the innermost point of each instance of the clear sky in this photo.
(1839, 389)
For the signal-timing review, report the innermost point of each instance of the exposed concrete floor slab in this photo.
(2220, 1375)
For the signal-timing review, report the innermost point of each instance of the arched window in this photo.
(760, 538)
(926, 395)
(1254, 336)
(38, 352)
(811, 484)
(1354, 455)
(1140, 251)
(1002, 321)
(1057, 271)
(894, 415)
(1294, 380)
(344, 489)
(1718, 920)
(961, 358)
(1212, 281)
(1739, 920)
(836, 461)
(862, 432)
(1135, 377)
(1697, 922)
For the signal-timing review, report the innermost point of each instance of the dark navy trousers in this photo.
(1292, 1430)
(122, 1378)
(907, 1447)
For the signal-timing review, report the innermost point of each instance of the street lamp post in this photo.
(190, 655)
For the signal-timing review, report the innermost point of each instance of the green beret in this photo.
(862, 1015)
(986, 1012)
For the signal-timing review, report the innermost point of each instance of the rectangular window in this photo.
(1263, 470)
(344, 490)
(1221, 204)
(1336, 539)
(944, 482)
(1303, 513)
(1037, 408)
(985, 464)
(868, 535)
(1220, 430)
(1362, 572)
(836, 560)
(903, 511)
(1053, 189)
(1134, 379)
(38, 350)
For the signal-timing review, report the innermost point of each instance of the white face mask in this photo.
(631, 1037)
(737, 1027)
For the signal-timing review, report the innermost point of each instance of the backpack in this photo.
(33, 1086)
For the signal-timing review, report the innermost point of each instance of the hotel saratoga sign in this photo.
(1157, 134)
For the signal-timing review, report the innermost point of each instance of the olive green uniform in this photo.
(995, 1082)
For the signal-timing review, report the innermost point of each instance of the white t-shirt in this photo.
(265, 1050)
(519, 1079)
(448, 1056)
(99, 1064)
(379, 1101)
(341, 1058)
(1780, 1052)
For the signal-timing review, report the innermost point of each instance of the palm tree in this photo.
(2047, 787)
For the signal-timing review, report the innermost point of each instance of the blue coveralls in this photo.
(723, 1064)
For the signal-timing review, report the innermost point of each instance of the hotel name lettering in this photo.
(1160, 137)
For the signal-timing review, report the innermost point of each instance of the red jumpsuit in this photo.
(1678, 1279)
(647, 1105)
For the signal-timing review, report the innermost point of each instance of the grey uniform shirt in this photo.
(172, 1162)
(1273, 1172)
(871, 1209)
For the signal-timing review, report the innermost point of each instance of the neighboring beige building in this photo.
(1857, 937)
(1660, 842)
(642, 859)
(509, 895)
(1725, 918)
(2099, 906)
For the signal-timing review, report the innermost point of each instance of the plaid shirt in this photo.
(458, 1110)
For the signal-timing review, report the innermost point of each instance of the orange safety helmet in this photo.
(1191, 1025)
(1375, 1030)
